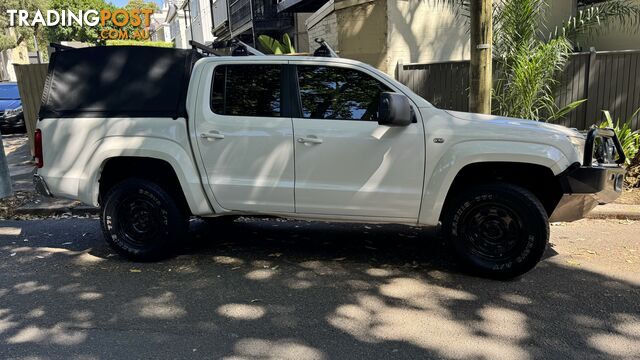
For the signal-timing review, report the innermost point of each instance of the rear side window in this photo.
(246, 90)
(338, 93)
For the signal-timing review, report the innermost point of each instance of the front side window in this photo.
(246, 90)
(338, 93)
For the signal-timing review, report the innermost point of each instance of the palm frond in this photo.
(629, 139)
(595, 17)
(528, 60)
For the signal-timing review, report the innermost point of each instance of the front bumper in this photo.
(584, 187)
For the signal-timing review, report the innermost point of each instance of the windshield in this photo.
(9, 92)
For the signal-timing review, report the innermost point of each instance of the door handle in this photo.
(311, 139)
(212, 135)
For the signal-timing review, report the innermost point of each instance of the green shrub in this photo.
(629, 139)
(164, 44)
(276, 47)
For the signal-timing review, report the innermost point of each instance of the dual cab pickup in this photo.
(154, 136)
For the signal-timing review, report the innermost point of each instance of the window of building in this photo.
(194, 9)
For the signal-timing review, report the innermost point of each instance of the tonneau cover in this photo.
(118, 81)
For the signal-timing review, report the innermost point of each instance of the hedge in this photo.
(164, 44)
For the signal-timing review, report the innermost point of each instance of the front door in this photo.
(245, 141)
(345, 163)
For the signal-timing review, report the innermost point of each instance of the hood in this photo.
(9, 104)
(515, 123)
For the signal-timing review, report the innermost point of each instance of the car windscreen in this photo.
(9, 92)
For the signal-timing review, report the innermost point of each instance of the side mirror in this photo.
(394, 110)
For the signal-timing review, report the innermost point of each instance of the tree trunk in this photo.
(480, 71)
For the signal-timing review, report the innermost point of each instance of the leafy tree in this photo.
(11, 37)
(92, 34)
(140, 5)
(163, 44)
(75, 32)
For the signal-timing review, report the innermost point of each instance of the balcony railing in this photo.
(239, 13)
(265, 15)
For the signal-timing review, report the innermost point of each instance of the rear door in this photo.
(245, 138)
(345, 163)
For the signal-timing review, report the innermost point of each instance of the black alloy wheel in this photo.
(497, 230)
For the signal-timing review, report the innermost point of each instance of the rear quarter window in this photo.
(247, 90)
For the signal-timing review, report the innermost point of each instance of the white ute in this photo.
(153, 136)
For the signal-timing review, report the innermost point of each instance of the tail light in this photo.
(38, 148)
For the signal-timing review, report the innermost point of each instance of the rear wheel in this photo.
(497, 230)
(141, 221)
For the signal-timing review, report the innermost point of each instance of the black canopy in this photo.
(122, 81)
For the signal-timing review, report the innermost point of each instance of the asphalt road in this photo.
(267, 289)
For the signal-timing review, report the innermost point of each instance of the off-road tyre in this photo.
(141, 221)
(496, 230)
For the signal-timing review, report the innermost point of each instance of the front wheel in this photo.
(497, 230)
(141, 221)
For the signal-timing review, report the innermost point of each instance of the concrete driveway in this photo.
(269, 289)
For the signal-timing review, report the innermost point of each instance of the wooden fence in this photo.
(31, 80)
(609, 80)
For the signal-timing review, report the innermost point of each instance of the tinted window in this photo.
(338, 93)
(246, 90)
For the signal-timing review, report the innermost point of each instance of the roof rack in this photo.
(239, 48)
(324, 50)
(206, 50)
(249, 49)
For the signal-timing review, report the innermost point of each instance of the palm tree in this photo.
(529, 56)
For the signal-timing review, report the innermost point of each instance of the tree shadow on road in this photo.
(267, 289)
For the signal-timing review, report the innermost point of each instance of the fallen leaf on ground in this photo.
(135, 270)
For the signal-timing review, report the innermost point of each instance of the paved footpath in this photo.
(268, 289)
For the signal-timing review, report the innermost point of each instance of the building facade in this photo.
(384, 33)
(247, 19)
(200, 21)
(177, 22)
(159, 28)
